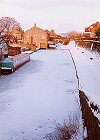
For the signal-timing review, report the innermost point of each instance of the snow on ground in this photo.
(39, 95)
(28, 52)
(88, 71)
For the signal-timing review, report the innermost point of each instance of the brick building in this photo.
(90, 31)
(52, 36)
(92, 28)
(17, 32)
(36, 37)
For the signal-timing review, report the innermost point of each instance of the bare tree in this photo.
(73, 34)
(6, 25)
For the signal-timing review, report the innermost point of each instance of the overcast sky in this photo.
(60, 15)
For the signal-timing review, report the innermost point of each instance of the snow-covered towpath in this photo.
(38, 95)
(88, 68)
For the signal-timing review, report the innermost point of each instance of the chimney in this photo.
(52, 31)
(34, 24)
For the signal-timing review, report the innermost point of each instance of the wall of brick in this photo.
(36, 36)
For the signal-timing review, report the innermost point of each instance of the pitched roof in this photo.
(35, 27)
(94, 26)
(51, 33)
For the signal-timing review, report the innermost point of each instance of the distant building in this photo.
(53, 37)
(51, 33)
(37, 37)
(92, 28)
(14, 50)
(17, 32)
(90, 31)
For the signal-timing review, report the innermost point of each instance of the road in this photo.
(38, 96)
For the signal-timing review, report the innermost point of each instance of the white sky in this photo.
(60, 15)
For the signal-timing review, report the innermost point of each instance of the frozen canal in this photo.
(38, 96)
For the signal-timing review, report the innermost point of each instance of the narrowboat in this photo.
(11, 63)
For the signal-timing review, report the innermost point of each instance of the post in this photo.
(91, 46)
